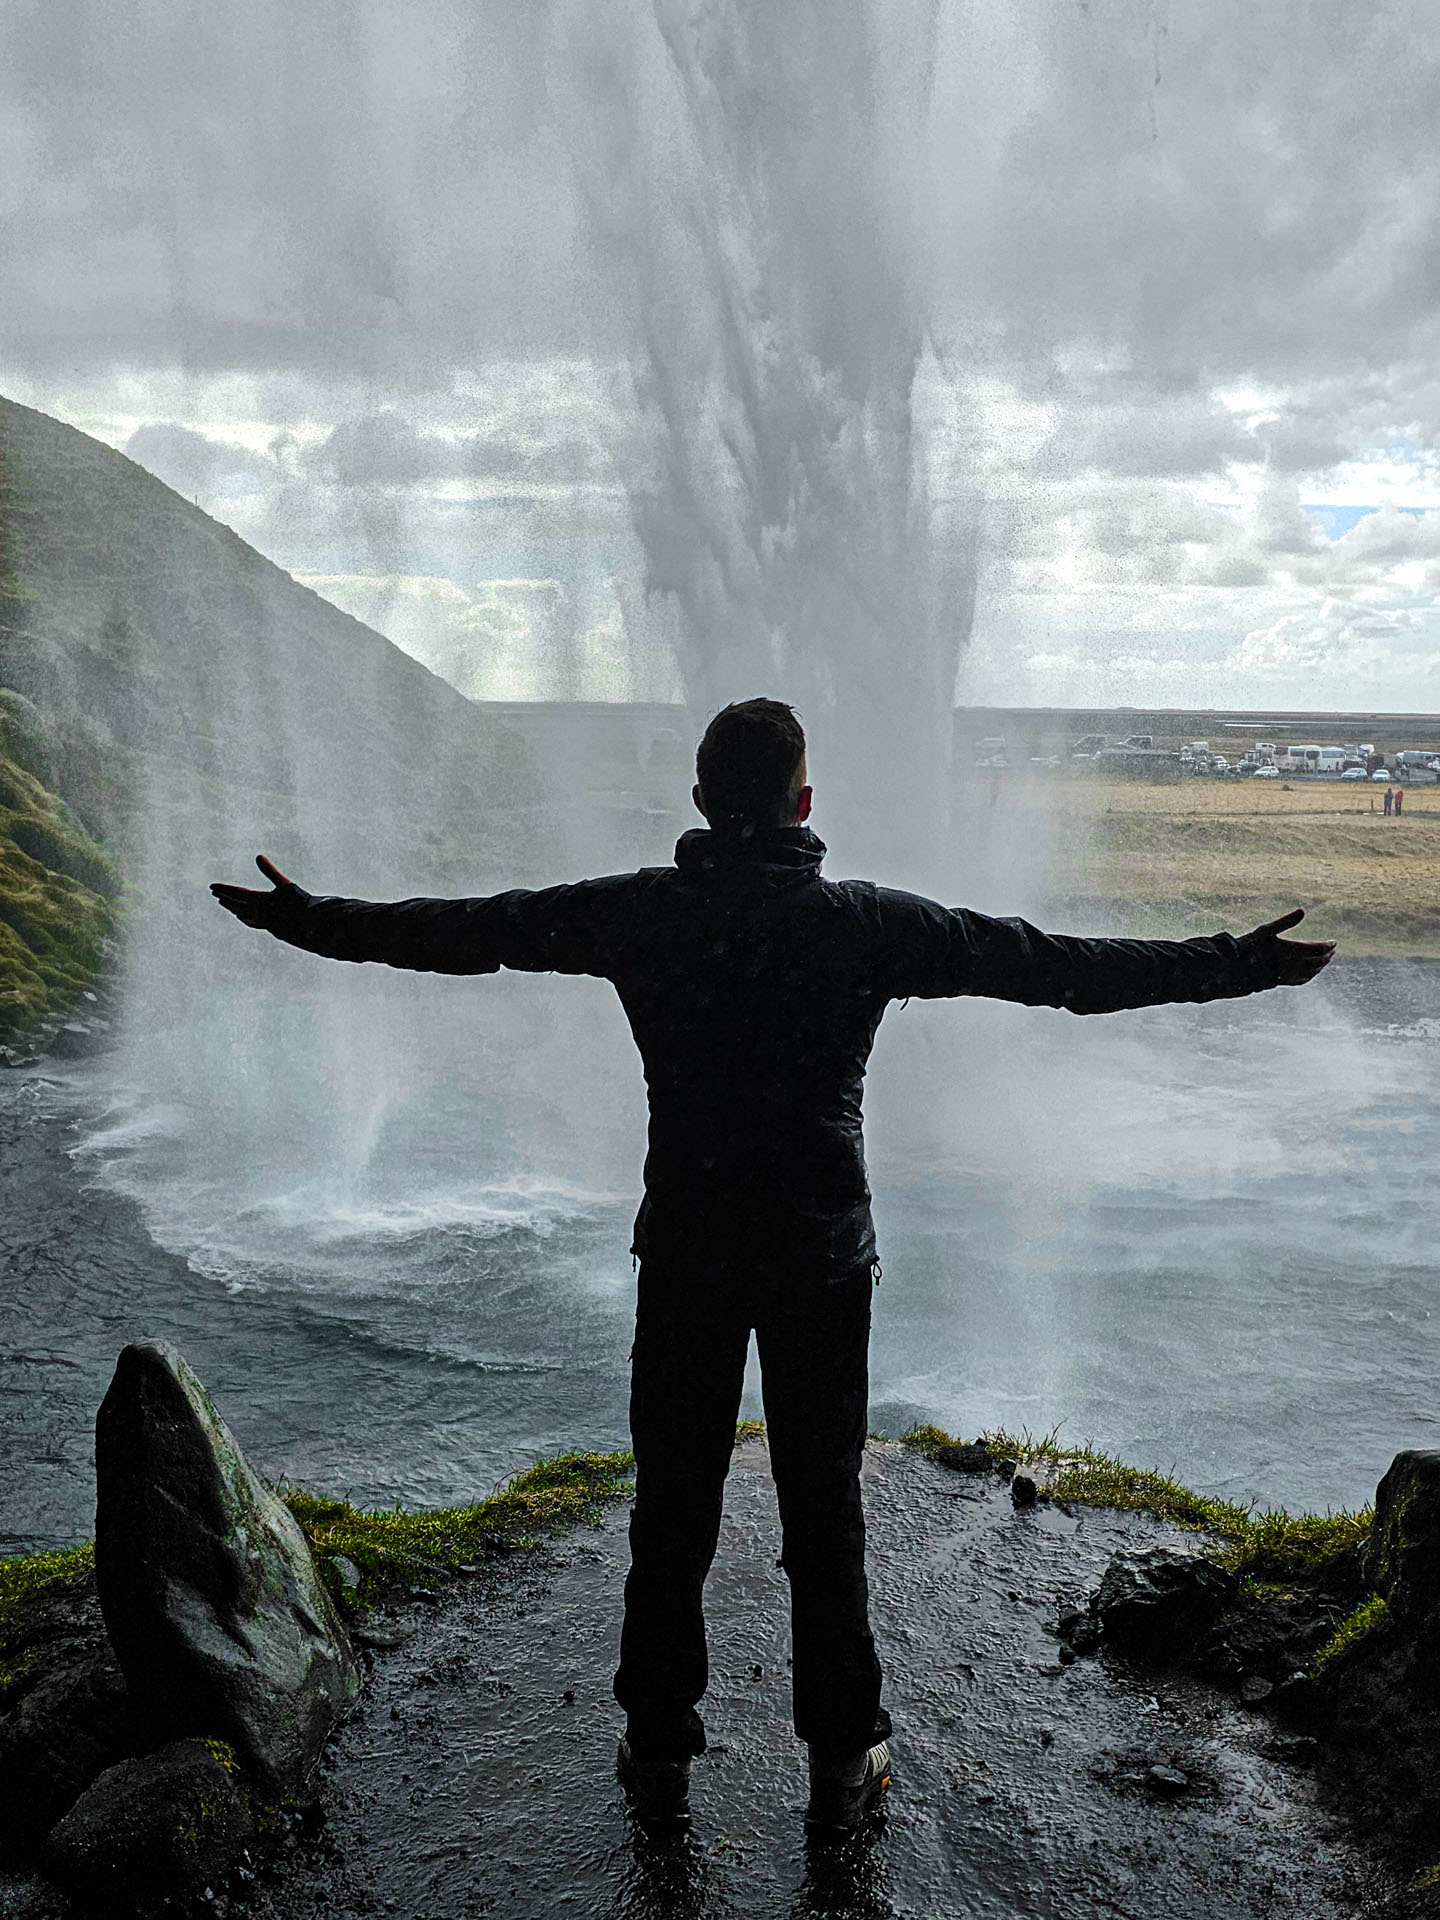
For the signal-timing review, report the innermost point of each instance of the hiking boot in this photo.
(843, 1792)
(658, 1790)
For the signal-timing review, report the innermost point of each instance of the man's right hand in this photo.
(1296, 961)
(261, 907)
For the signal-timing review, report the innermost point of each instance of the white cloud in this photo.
(502, 639)
(336, 281)
(1337, 634)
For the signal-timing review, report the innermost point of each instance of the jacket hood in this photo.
(782, 855)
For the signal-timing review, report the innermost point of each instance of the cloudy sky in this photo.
(373, 282)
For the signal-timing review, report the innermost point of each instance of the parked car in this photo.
(1355, 773)
(1266, 773)
(1383, 775)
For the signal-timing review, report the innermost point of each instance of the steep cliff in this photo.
(186, 701)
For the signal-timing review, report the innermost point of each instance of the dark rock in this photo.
(1079, 1631)
(1301, 1701)
(347, 1574)
(220, 1622)
(1254, 1691)
(1167, 1783)
(382, 1639)
(974, 1457)
(169, 1824)
(1158, 1601)
(78, 1040)
(1376, 1699)
(1342, 1579)
(1269, 1635)
(50, 1625)
(1402, 1554)
(68, 1727)
(1027, 1483)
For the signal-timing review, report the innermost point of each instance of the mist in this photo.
(638, 357)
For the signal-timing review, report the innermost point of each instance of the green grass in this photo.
(391, 1548)
(1367, 1616)
(1273, 1544)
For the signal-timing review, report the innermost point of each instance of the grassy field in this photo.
(1204, 853)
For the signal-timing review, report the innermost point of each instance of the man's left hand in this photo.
(264, 907)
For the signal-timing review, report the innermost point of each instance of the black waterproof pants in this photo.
(692, 1332)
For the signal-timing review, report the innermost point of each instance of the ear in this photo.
(802, 805)
(699, 802)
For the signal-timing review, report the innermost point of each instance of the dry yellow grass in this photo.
(1203, 853)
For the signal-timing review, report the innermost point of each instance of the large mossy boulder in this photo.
(1378, 1684)
(212, 1602)
(1402, 1555)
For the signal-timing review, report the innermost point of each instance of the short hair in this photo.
(749, 764)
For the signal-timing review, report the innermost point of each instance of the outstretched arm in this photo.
(953, 951)
(572, 929)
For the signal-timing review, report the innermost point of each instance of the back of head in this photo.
(750, 766)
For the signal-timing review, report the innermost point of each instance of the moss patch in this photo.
(396, 1547)
(225, 1754)
(56, 891)
(1366, 1617)
(1273, 1545)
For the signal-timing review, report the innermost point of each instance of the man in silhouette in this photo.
(754, 988)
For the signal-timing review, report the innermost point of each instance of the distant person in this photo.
(754, 988)
(1399, 800)
(1389, 802)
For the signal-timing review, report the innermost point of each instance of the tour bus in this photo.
(1293, 759)
(1332, 760)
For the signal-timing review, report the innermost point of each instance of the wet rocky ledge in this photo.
(1099, 1710)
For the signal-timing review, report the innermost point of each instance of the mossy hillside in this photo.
(1271, 1546)
(12, 501)
(56, 890)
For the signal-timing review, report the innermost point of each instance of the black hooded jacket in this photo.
(754, 988)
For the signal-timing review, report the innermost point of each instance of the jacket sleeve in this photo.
(570, 929)
(937, 951)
